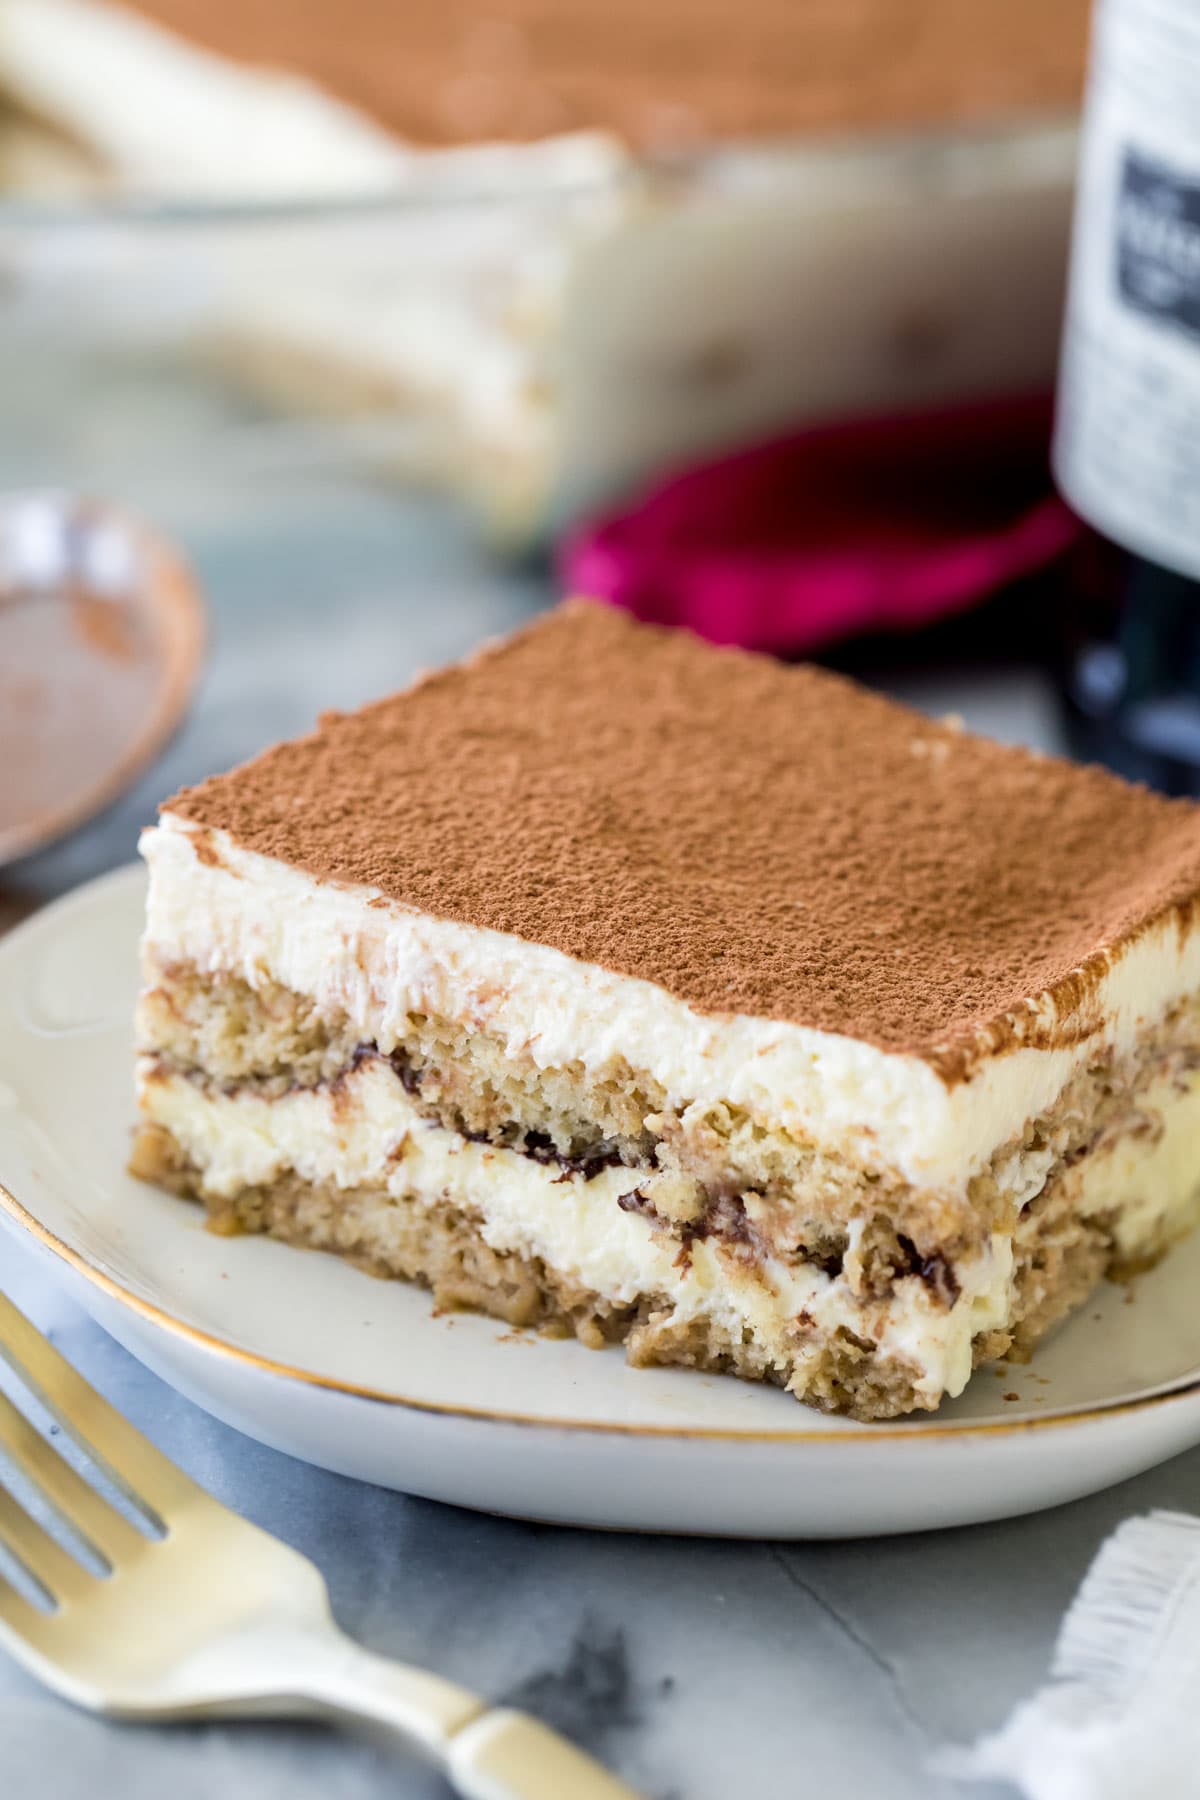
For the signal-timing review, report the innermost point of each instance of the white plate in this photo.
(357, 1375)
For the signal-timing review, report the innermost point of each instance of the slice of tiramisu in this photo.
(661, 993)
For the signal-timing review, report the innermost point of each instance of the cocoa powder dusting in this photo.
(753, 838)
(676, 72)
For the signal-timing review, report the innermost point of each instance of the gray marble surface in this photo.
(700, 1670)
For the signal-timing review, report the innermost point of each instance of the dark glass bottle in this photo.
(1131, 680)
(1127, 439)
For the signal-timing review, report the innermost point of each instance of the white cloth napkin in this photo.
(1119, 1718)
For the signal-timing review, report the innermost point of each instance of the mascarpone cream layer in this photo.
(357, 952)
(166, 116)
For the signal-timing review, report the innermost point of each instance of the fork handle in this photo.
(507, 1755)
(487, 1753)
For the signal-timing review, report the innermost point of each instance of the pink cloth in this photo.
(882, 525)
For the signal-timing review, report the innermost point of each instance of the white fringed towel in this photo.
(1119, 1718)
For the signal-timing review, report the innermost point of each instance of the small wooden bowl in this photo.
(101, 637)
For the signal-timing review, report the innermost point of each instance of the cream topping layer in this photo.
(370, 1135)
(165, 116)
(355, 951)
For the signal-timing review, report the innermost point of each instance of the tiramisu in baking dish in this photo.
(600, 240)
(671, 997)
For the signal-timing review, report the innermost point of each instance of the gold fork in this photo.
(211, 1617)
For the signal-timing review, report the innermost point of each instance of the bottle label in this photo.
(1158, 242)
(1127, 441)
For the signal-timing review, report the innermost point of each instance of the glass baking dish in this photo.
(534, 335)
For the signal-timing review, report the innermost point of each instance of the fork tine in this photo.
(59, 1574)
(73, 1498)
(20, 1616)
(149, 1478)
